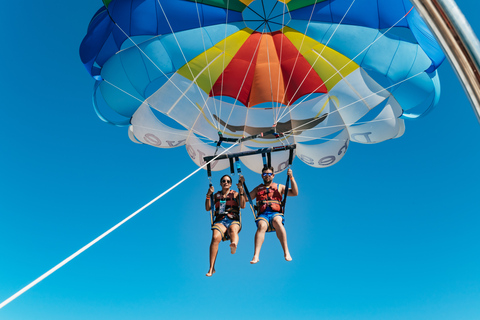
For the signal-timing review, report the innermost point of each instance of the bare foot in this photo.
(254, 260)
(233, 248)
(210, 273)
(288, 257)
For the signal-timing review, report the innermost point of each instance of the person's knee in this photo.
(216, 237)
(277, 222)
(262, 226)
(233, 230)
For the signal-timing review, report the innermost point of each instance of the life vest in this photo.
(231, 206)
(269, 197)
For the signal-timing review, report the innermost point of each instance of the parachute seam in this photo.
(361, 52)
(325, 45)
(129, 77)
(394, 54)
(168, 78)
(120, 89)
(243, 83)
(378, 15)
(297, 57)
(131, 19)
(348, 105)
(223, 62)
(340, 126)
(280, 70)
(178, 44)
(270, 77)
(206, 59)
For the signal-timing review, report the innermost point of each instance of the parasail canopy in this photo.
(320, 73)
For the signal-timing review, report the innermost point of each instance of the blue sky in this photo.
(390, 232)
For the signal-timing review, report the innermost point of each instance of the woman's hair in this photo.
(230, 178)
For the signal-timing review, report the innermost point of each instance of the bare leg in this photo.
(216, 238)
(282, 236)
(233, 232)
(259, 238)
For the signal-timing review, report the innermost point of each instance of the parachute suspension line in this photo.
(245, 188)
(276, 103)
(179, 47)
(103, 235)
(326, 44)
(352, 103)
(346, 106)
(298, 54)
(164, 131)
(205, 105)
(323, 49)
(338, 71)
(146, 55)
(217, 126)
(243, 83)
(223, 61)
(379, 91)
(338, 26)
(277, 107)
(339, 126)
(270, 77)
(287, 184)
(168, 78)
(100, 114)
(120, 89)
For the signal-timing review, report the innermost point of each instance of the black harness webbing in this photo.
(245, 188)
(287, 184)
(267, 162)
(212, 203)
(262, 151)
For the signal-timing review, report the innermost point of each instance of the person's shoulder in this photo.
(256, 188)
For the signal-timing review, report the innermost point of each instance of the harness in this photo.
(231, 208)
(269, 197)
(272, 198)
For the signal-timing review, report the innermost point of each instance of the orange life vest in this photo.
(231, 205)
(269, 197)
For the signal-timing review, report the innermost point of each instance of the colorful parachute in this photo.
(320, 73)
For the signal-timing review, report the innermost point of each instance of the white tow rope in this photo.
(103, 235)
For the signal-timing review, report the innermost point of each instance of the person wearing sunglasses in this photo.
(227, 224)
(270, 217)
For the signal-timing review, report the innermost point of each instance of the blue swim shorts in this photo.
(268, 216)
(227, 222)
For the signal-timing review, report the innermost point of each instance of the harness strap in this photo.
(287, 183)
(252, 206)
(245, 188)
(212, 203)
(269, 201)
(232, 170)
(264, 158)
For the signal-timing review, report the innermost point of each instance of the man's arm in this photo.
(293, 191)
(253, 193)
(241, 195)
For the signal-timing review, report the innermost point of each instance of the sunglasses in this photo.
(226, 181)
(267, 174)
